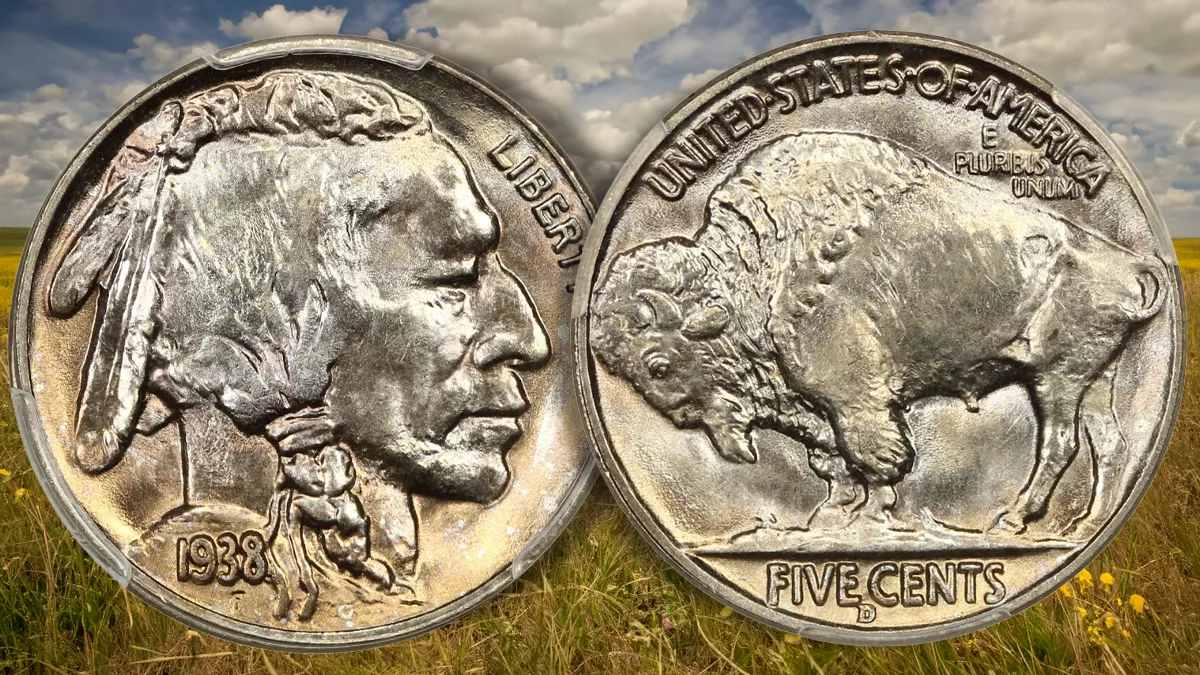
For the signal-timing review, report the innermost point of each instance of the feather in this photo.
(93, 249)
(112, 393)
(114, 249)
(105, 226)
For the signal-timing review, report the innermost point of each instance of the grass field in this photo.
(600, 601)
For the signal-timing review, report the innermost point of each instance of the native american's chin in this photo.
(468, 465)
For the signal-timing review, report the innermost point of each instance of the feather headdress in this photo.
(122, 233)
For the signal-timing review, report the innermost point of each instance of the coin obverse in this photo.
(289, 343)
(879, 337)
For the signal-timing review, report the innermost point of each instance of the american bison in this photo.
(838, 278)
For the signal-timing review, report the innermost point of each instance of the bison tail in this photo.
(1151, 277)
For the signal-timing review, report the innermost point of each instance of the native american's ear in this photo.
(705, 323)
(106, 224)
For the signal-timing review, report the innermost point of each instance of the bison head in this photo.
(663, 320)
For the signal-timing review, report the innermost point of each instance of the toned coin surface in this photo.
(880, 338)
(289, 343)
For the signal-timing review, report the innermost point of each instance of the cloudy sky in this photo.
(598, 73)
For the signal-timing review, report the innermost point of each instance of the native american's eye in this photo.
(658, 366)
(462, 278)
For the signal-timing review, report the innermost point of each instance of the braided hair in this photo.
(214, 290)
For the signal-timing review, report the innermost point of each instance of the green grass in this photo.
(601, 602)
(1188, 252)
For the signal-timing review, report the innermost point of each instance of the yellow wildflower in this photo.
(1138, 603)
(1120, 602)
(1107, 581)
(1125, 633)
(1084, 579)
(5, 473)
(792, 639)
(19, 495)
(1109, 620)
(1081, 611)
(1066, 591)
(726, 612)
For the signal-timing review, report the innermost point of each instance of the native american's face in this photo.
(428, 390)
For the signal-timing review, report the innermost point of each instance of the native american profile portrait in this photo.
(306, 255)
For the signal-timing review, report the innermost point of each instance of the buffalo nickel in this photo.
(288, 343)
(880, 338)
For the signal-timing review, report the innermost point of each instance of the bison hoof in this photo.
(403, 593)
(830, 516)
(1007, 523)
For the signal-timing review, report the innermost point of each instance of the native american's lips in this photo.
(486, 433)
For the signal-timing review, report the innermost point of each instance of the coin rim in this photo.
(644, 520)
(84, 529)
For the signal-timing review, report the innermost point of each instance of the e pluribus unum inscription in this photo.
(1030, 173)
(1059, 142)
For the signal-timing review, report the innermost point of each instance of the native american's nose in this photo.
(511, 330)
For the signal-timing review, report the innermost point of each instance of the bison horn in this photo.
(705, 323)
(666, 310)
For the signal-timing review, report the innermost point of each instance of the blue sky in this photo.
(597, 73)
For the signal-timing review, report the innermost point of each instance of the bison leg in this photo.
(876, 444)
(834, 355)
(1057, 400)
(846, 492)
(1100, 430)
(880, 507)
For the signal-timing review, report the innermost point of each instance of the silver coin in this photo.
(289, 343)
(880, 338)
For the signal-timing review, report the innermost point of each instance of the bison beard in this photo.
(852, 277)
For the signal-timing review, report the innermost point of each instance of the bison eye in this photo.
(658, 366)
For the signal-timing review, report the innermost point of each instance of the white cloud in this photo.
(160, 57)
(38, 136)
(591, 42)
(1190, 136)
(279, 21)
(600, 74)
(117, 94)
(14, 178)
(694, 80)
(545, 52)
(1072, 41)
(1174, 198)
(50, 92)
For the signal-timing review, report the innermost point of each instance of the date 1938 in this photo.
(201, 559)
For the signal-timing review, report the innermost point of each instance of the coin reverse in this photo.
(880, 338)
